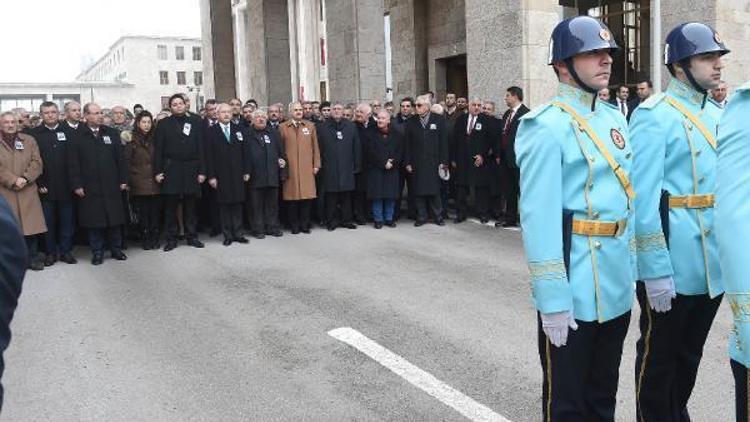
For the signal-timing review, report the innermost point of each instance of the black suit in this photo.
(511, 174)
(630, 106)
(468, 144)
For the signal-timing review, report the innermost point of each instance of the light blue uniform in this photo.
(561, 169)
(672, 155)
(733, 217)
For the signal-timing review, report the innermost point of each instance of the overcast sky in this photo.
(49, 40)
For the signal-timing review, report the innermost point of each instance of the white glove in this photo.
(660, 292)
(555, 325)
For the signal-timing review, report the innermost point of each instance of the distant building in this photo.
(135, 69)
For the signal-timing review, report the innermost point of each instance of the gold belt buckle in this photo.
(620, 227)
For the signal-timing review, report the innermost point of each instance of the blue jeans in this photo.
(383, 208)
(60, 226)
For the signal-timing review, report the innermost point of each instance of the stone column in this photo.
(507, 43)
(218, 49)
(356, 55)
(408, 46)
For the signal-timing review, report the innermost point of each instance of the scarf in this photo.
(9, 139)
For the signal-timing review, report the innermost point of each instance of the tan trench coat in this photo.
(26, 163)
(303, 154)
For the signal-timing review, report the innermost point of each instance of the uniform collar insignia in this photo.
(682, 91)
(575, 96)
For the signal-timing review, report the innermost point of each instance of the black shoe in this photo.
(419, 223)
(306, 230)
(390, 223)
(278, 233)
(118, 255)
(510, 224)
(227, 242)
(350, 226)
(50, 260)
(295, 230)
(483, 220)
(459, 219)
(440, 222)
(500, 224)
(378, 225)
(97, 259)
(360, 222)
(258, 235)
(146, 245)
(195, 243)
(36, 265)
(331, 227)
(241, 239)
(68, 258)
(154, 243)
(171, 244)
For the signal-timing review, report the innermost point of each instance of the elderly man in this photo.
(54, 139)
(341, 157)
(228, 172)
(472, 142)
(98, 176)
(719, 94)
(180, 168)
(120, 118)
(266, 161)
(604, 95)
(367, 129)
(375, 107)
(494, 172)
(72, 115)
(426, 154)
(300, 141)
(24, 118)
(20, 166)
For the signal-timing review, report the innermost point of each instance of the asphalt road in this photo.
(240, 333)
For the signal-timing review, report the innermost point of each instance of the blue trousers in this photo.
(383, 209)
(60, 226)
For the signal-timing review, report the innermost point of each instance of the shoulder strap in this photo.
(694, 120)
(613, 164)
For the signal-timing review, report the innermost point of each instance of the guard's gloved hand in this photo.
(555, 325)
(660, 292)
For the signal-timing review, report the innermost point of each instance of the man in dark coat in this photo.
(426, 154)
(55, 191)
(367, 130)
(72, 119)
(406, 112)
(511, 174)
(98, 176)
(208, 209)
(13, 259)
(265, 157)
(179, 166)
(472, 143)
(494, 130)
(341, 155)
(384, 153)
(228, 172)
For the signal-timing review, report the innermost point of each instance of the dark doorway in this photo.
(456, 78)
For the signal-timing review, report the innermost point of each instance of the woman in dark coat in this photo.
(384, 156)
(144, 191)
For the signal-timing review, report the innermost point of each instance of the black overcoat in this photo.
(382, 183)
(426, 148)
(366, 135)
(226, 162)
(263, 150)
(97, 164)
(466, 146)
(179, 154)
(340, 158)
(53, 148)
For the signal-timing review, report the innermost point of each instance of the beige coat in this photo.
(303, 154)
(26, 163)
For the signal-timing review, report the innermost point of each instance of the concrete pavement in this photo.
(240, 333)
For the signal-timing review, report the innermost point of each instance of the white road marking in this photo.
(429, 384)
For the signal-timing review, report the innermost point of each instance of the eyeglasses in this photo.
(420, 104)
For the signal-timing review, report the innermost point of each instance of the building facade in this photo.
(471, 47)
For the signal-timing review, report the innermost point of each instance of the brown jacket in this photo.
(303, 154)
(139, 154)
(27, 163)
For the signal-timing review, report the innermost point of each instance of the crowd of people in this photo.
(112, 176)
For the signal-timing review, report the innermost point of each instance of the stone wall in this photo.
(218, 49)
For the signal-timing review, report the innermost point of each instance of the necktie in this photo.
(226, 132)
(622, 108)
(505, 128)
(471, 124)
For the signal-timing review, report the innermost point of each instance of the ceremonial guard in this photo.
(576, 212)
(674, 145)
(732, 234)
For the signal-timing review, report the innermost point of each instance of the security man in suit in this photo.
(674, 144)
(732, 231)
(574, 156)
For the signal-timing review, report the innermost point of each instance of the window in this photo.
(163, 77)
(197, 54)
(198, 78)
(161, 51)
(179, 52)
(181, 80)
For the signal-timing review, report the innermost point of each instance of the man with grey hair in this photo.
(472, 143)
(120, 118)
(72, 115)
(720, 94)
(426, 155)
(367, 130)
